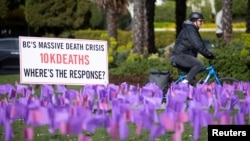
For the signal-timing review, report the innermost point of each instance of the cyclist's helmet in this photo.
(194, 16)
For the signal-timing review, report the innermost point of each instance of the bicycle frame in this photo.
(211, 73)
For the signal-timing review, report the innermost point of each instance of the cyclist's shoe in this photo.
(184, 81)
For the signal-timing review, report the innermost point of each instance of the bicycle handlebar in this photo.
(210, 60)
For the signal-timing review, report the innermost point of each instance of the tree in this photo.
(227, 21)
(143, 26)
(53, 16)
(112, 8)
(150, 13)
(139, 26)
(12, 18)
(180, 10)
(3, 8)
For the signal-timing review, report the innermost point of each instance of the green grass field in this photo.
(41, 133)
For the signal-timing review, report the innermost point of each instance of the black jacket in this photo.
(189, 41)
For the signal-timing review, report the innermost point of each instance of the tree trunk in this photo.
(150, 13)
(139, 34)
(227, 21)
(112, 20)
(248, 17)
(180, 11)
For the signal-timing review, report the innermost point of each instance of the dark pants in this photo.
(187, 64)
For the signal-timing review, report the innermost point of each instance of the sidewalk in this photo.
(202, 29)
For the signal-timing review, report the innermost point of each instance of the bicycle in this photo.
(211, 73)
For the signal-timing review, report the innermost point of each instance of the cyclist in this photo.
(187, 45)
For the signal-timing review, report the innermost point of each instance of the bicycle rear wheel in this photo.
(228, 80)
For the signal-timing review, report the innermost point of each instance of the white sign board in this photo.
(63, 61)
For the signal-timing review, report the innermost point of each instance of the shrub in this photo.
(97, 17)
(162, 38)
(245, 52)
(140, 66)
(229, 62)
(166, 9)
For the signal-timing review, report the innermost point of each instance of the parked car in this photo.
(9, 55)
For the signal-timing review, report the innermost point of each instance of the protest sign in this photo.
(63, 61)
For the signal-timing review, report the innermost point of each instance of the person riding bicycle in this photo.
(187, 46)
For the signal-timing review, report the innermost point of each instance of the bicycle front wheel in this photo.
(228, 80)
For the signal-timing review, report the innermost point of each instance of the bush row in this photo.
(230, 62)
(162, 38)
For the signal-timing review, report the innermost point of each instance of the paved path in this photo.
(202, 29)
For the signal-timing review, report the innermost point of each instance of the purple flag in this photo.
(12, 94)
(28, 133)
(123, 129)
(225, 118)
(17, 111)
(38, 116)
(82, 137)
(113, 130)
(46, 90)
(71, 127)
(61, 89)
(4, 89)
(239, 119)
(155, 131)
(57, 116)
(25, 90)
(167, 122)
(234, 101)
(8, 130)
(71, 94)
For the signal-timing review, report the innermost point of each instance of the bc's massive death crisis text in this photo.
(62, 45)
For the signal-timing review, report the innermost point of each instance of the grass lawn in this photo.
(41, 133)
